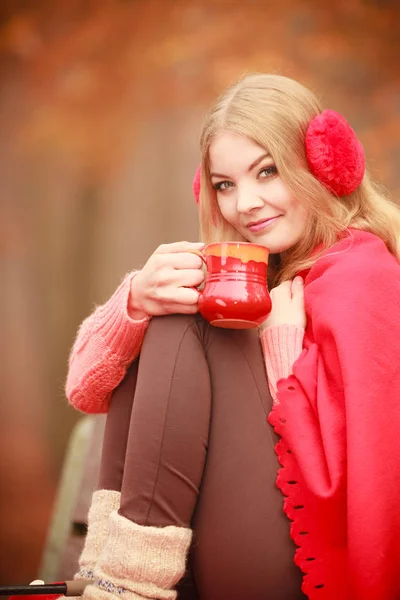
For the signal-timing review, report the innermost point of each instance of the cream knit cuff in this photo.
(104, 502)
(140, 561)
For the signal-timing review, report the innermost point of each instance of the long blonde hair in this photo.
(274, 112)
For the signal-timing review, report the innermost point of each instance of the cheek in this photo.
(227, 211)
(296, 208)
(301, 217)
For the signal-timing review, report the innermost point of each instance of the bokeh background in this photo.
(101, 102)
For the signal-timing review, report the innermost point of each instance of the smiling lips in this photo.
(262, 224)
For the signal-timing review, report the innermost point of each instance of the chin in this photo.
(274, 246)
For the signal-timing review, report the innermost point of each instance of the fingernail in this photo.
(298, 280)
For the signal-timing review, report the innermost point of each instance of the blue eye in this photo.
(266, 172)
(222, 185)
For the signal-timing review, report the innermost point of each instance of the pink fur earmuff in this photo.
(334, 153)
(196, 184)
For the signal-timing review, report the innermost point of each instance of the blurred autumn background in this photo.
(101, 105)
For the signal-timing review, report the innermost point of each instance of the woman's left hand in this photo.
(287, 305)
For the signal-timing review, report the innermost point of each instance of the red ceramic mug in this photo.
(235, 293)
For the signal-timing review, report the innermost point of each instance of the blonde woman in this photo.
(189, 458)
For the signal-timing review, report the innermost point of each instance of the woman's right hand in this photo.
(168, 281)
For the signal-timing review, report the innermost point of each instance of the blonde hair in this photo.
(274, 112)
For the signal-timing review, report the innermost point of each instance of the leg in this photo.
(242, 543)
(106, 498)
(169, 427)
(165, 455)
(117, 431)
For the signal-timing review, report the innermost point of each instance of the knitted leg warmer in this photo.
(104, 502)
(140, 562)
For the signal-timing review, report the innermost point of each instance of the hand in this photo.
(287, 305)
(168, 281)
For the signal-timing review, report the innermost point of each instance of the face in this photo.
(251, 195)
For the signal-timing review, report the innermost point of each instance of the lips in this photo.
(261, 224)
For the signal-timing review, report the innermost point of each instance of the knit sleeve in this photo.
(106, 343)
(282, 346)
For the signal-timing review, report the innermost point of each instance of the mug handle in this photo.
(199, 253)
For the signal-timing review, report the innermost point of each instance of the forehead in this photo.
(233, 150)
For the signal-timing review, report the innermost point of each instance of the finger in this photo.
(179, 247)
(189, 277)
(183, 309)
(37, 582)
(181, 296)
(184, 260)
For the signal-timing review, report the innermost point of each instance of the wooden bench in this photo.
(68, 525)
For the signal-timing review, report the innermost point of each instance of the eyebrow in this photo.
(251, 167)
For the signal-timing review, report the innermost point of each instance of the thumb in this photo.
(297, 288)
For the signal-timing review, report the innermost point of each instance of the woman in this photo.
(278, 171)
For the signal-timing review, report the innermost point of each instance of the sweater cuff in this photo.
(121, 333)
(282, 346)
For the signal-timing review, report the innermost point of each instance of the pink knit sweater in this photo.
(109, 340)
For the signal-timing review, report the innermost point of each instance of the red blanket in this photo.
(339, 420)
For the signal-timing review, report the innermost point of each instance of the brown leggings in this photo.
(187, 443)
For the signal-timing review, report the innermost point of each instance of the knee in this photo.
(175, 326)
(175, 320)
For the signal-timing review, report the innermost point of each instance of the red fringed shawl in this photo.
(338, 416)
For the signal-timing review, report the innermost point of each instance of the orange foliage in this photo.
(88, 68)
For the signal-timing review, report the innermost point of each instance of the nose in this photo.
(248, 199)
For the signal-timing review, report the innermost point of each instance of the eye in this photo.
(267, 172)
(222, 185)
